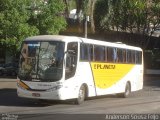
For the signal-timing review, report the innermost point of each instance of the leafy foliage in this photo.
(22, 18)
(127, 15)
(13, 22)
(48, 17)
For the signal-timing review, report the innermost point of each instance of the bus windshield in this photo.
(41, 61)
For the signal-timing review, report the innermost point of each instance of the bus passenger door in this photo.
(71, 60)
(70, 83)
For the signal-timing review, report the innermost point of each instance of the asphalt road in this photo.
(146, 101)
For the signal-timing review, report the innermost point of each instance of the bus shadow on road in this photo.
(8, 97)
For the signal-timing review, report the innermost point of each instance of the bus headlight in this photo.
(55, 88)
(22, 85)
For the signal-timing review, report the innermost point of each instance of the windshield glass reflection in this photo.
(41, 61)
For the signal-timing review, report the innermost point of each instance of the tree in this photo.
(13, 22)
(85, 7)
(22, 18)
(131, 16)
(66, 2)
(90, 11)
(48, 16)
(101, 10)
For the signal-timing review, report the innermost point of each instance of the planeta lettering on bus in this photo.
(99, 66)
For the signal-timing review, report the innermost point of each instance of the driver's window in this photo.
(71, 59)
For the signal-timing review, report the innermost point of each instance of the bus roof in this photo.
(110, 44)
(49, 38)
(64, 38)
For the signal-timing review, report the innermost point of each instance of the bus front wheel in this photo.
(81, 95)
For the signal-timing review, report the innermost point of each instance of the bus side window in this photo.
(84, 52)
(110, 54)
(120, 55)
(124, 56)
(114, 55)
(133, 56)
(71, 60)
(128, 56)
(106, 52)
(138, 57)
(90, 47)
(99, 53)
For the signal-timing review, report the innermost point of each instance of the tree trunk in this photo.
(92, 16)
(78, 11)
(67, 8)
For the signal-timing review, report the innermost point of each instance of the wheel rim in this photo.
(127, 92)
(82, 93)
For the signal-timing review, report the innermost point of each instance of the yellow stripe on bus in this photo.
(107, 74)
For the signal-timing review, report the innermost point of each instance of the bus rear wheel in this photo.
(81, 95)
(127, 91)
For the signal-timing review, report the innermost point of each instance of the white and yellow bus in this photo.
(55, 67)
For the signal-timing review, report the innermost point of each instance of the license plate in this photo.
(36, 95)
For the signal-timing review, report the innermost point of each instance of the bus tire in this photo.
(81, 95)
(127, 91)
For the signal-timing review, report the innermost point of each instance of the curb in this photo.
(8, 80)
